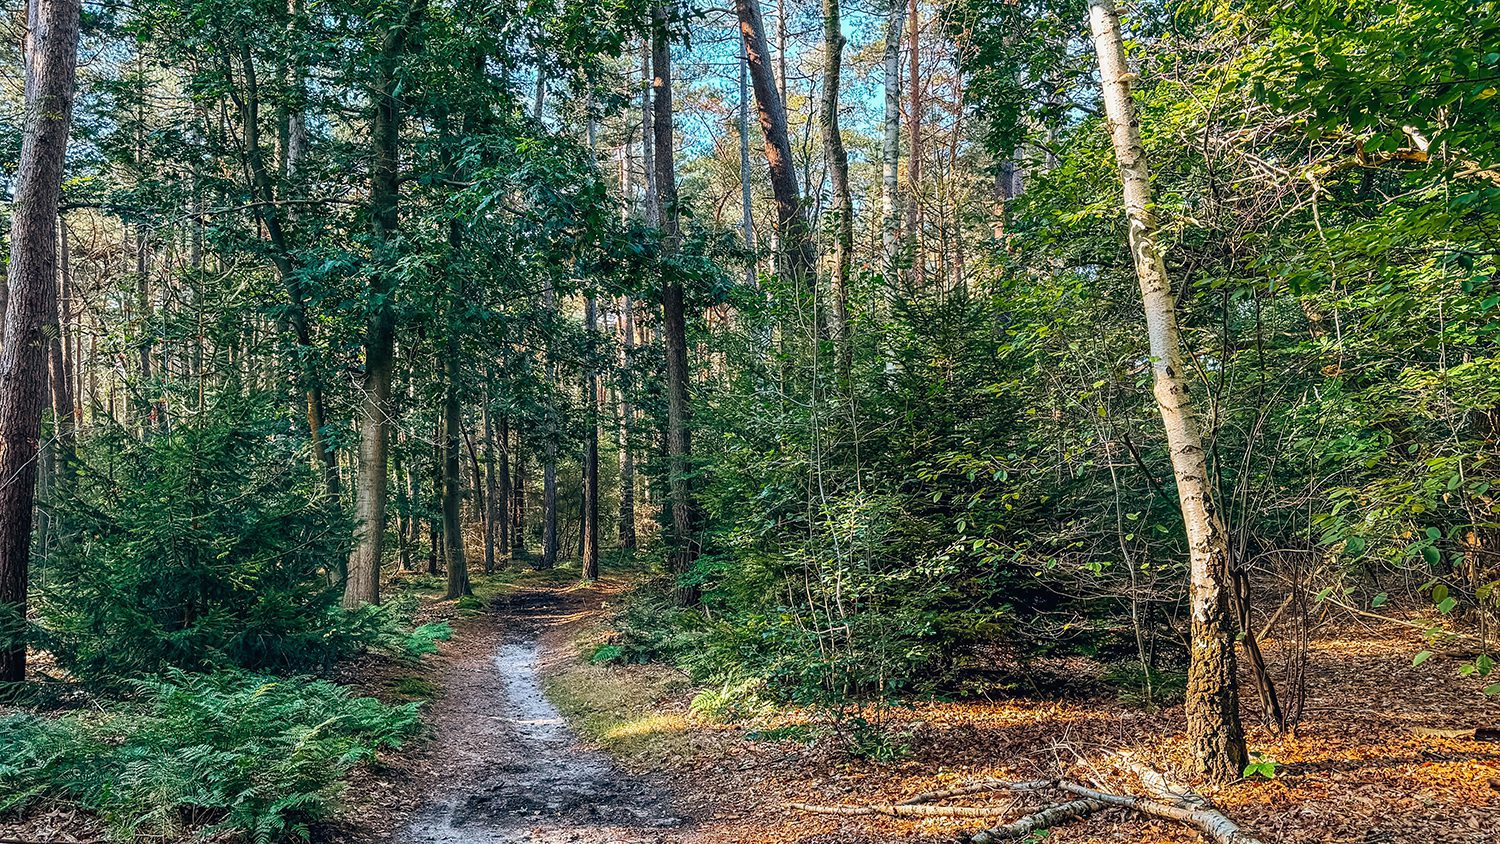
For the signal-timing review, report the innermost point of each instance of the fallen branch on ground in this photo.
(920, 805)
(901, 810)
(1209, 821)
(1036, 821)
(1473, 733)
(961, 791)
(1167, 800)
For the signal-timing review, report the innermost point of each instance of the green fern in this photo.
(202, 755)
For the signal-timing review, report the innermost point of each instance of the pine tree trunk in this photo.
(435, 549)
(454, 558)
(684, 546)
(31, 308)
(914, 161)
(493, 508)
(1214, 730)
(64, 410)
(518, 523)
(796, 252)
(627, 455)
(838, 171)
(747, 219)
(502, 501)
(648, 139)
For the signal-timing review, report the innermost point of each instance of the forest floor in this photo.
(633, 766)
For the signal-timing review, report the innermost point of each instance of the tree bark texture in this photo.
(890, 148)
(589, 529)
(838, 173)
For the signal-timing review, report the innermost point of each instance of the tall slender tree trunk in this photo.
(648, 139)
(796, 252)
(1214, 730)
(838, 171)
(296, 135)
(454, 558)
(64, 410)
(502, 501)
(627, 454)
(267, 213)
(747, 219)
(51, 62)
(549, 450)
(363, 583)
(589, 528)
(518, 524)
(404, 500)
(435, 547)
(685, 541)
(493, 508)
(914, 160)
(890, 148)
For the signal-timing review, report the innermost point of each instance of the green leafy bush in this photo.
(209, 545)
(201, 754)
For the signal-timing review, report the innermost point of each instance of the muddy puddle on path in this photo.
(524, 778)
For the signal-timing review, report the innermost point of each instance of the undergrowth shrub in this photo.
(201, 755)
(207, 546)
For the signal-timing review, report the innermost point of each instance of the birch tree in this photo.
(1214, 730)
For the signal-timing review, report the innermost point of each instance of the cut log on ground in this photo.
(921, 805)
(906, 810)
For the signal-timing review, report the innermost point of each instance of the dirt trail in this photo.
(507, 768)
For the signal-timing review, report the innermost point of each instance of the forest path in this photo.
(505, 768)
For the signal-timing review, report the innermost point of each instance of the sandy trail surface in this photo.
(510, 769)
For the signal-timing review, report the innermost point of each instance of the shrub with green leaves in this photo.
(201, 755)
(208, 545)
